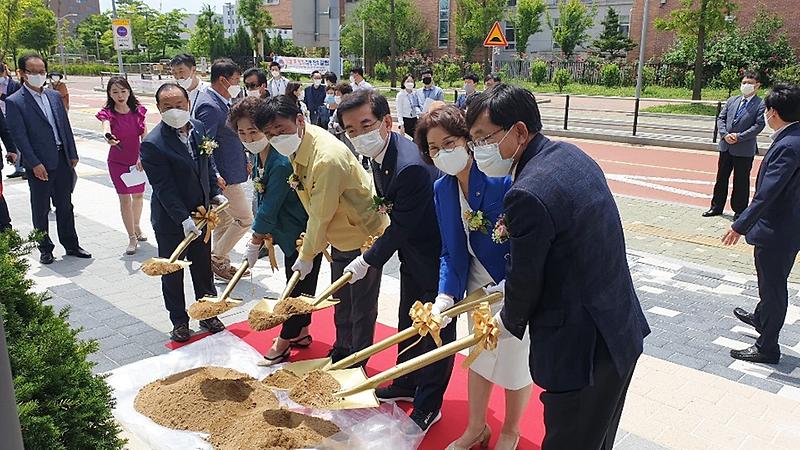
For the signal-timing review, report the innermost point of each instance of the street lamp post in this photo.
(97, 43)
(59, 20)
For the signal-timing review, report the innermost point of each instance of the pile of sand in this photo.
(281, 379)
(238, 411)
(293, 306)
(260, 320)
(202, 310)
(315, 390)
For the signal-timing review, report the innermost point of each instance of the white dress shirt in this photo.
(407, 105)
(277, 86)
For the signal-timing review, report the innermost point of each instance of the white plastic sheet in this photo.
(375, 428)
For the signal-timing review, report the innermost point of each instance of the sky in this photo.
(190, 6)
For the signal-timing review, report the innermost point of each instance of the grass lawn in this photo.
(693, 109)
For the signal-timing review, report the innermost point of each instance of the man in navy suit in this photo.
(7, 87)
(739, 123)
(771, 224)
(183, 179)
(567, 278)
(404, 181)
(40, 126)
(212, 109)
(11, 157)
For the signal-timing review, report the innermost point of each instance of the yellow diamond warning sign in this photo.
(496, 38)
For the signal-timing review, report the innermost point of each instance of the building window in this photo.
(272, 2)
(444, 23)
(511, 36)
(625, 24)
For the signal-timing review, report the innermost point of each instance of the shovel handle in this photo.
(410, 332)
(235, 279)
(338, 284)
(188, 239)
(290, 285)
(412, 365)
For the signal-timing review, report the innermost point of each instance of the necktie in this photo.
(740, 111)
(376, 171)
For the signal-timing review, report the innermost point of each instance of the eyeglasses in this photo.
(485, 140)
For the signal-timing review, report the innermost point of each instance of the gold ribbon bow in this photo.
(210, 216)
(485, 327)
(270, 246)
(426, 322)
(299, 243)
(369, 243)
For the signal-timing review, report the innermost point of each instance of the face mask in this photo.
(317, 83)
(491, 162)
(286, 144)
(256, 147)
(254, 93)
(276, 74)
(175, 118)
(427, 80)
(234, 90)
(55, 78)
(337, 99)
(469, 88)
(330, 99)
(370, 144)
(451, 161)
(352, 79)
(301, 96)
(747, 89)
(409, 85)
(185, 82)
(36, 81)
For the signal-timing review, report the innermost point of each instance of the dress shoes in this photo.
(712, 213)
(753, 354)
(181, 333)
(213, 325)
(46, 258)
(18, 174)
(746, 317)
(79, 253)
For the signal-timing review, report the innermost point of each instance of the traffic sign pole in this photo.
(495, 40)
(119, 52)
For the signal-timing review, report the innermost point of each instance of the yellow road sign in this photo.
(495, 38)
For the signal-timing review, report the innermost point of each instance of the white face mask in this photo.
(317, 83)
(352, 79)
(409, 85)
(747, 89)
(176, 118)
(254, 93)
(337, 99)
(469, 88)
(276, 74)
(185, 82)
(36, 81)
(286, 144)
(451, 161)
(301, 96)
(490, 161)
(369, 144)
(256, 147)
(55, 78)
(234, 90)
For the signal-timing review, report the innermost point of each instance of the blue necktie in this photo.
(740, 111)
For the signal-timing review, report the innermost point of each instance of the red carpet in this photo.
(455, 408)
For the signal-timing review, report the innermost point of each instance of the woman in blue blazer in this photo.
(469, 208)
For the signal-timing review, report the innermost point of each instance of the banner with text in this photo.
(303, 65)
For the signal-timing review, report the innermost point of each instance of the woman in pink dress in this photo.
(124, 127)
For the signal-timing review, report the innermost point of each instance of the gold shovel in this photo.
(208, 307)
(161, 266)
(263, 316)
(302, 368)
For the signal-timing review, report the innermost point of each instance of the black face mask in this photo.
(427, 80)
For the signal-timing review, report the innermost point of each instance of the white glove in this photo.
(190, 227)
(302, 266)
(358, 268)
(251, 253)
(500, 287)
(442, 303)
(219, 199)
(504, 333)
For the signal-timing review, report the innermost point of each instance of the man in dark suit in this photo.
(739, 123)
(40, 126)
(567, 279)
(770, 224)
(7, 87)
(181, 174)
(212, 110)
(404, 182)
(11, 157)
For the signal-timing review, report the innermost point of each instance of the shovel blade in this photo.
(161, 266)
(304, 367)
(267, 305)
(348, 378)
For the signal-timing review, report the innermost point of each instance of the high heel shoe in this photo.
(516, 442)
(140, 236)
(132, 244)
(482, 440)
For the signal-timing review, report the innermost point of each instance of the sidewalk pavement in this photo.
(687, 391)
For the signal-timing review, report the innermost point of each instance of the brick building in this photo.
(659, 41)
(83, 9)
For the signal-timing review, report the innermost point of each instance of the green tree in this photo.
(10, 11)
(165, 32)
(208, 29)
(88, 30)
(574, 20)
(377, 18)
(257, 19)
(527, 21)
(474, 19)
(37, 27)
(142, 18)
(240, 44)
(613, 43)
(700, 20)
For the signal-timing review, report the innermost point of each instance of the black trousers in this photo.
(5, 217)
(431, 381)
(410, 125)
(773, 265)
(587, 418)
(740, 166)
(355, 315)
(58, 187)
(199, 253)
(307, 286)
